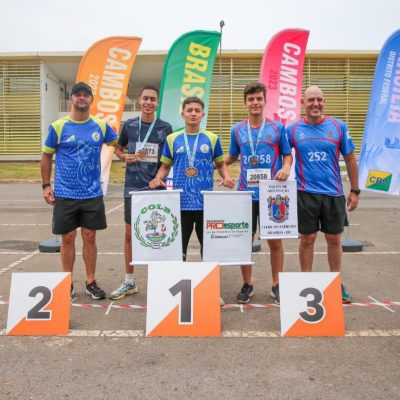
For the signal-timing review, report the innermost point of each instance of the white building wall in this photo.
(51, 93)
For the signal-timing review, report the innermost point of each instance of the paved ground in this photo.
(257, 364)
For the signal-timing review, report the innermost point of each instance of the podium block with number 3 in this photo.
(39, 304)
(183, 299)
(311, 304)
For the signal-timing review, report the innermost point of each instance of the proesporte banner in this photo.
(106, 67)
(278, 209)
(227, 231)
(188, 72)
(379, 158)
(156, 226)
(282, 73)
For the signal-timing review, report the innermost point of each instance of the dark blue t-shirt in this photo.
(139, 175)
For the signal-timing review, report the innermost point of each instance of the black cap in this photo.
(81, 86)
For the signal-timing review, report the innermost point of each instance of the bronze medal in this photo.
(191, 172)
(142, 154)
(253, 161)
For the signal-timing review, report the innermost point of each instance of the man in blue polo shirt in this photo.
(193, 153)
(77, 141)
(321, 204)
(262, 145)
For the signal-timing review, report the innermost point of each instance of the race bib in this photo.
(254, 175)
(148, 152)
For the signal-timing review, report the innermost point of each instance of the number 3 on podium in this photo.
(311, 304)
(39, 304)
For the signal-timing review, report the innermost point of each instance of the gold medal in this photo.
(191, 172)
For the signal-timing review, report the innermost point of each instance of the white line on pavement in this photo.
(114, 209)
(224, 334)
(109, 308)
(378, 303)
(20, 261)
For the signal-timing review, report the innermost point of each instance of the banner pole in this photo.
(221, 25)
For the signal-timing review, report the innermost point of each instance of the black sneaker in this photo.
(95, 291)
(245, 293)
(275, 294)
(72, 293)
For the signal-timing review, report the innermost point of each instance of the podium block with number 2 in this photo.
(39, 304)
(311, 304)
(183, 299)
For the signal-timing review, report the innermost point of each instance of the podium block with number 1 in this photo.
(183, 299)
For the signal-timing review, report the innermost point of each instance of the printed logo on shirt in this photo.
(71, 139)
(204, 148)
(379, 180)
(181, 150)
(330, 134)
(96, 136)
(301, 135)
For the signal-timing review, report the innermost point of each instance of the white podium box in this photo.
(311, 304)
(39, 303)
(156, 226)
(183, 299)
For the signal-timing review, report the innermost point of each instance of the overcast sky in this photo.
(73, 25)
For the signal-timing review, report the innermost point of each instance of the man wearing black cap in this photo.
(77, 197)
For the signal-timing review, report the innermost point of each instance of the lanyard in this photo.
(191, 154)
(253, 150)
(142, 144)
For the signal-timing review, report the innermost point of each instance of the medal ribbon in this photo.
(253, 150)
(140, 145)
(191, 154)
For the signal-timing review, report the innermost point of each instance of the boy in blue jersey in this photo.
(318, 140)
(193, 153)
(261, 144)
(77, 197)
(143, 137)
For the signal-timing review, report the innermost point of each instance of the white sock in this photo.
(129, 278)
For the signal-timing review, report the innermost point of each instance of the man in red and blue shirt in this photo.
(261, 144)
(318, 141)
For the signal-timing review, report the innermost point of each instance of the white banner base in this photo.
(156, 226)
(227, 237)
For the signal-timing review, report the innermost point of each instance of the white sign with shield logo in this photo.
(227, 227)
(156, 226)
(278, 210)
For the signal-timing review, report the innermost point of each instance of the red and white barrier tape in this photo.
(226, 306)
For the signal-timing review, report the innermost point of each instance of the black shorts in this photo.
(320, 212)
(70, 214)
(128, 210)
(188, 220)
(255, 213)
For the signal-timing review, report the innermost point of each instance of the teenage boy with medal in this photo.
(261, 145)
(143, 137)
(193, 152)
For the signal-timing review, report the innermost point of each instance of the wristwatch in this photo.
(355, 191)
(45, 185)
